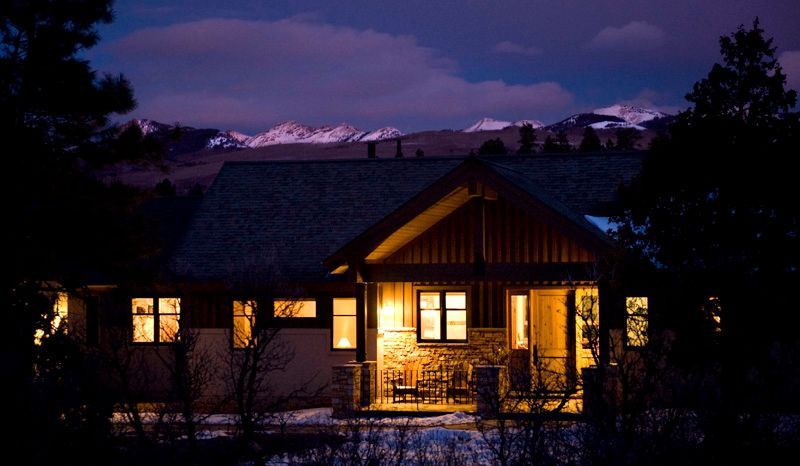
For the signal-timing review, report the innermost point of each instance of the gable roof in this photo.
(291, 215)
(450, 192)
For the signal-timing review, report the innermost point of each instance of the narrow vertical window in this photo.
(430, 319)
(455, 315)
(636, 320)
(519, 321)
(344, 323)
(169, 314)
(144, 320)
(244, 320)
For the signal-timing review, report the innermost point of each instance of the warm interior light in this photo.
(387, 316)
(344, 343)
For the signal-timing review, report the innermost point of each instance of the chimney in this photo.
(371, 150)
(399, 152)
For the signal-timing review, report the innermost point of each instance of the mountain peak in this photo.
(629, 113)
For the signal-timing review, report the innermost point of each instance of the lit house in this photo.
(422, 263)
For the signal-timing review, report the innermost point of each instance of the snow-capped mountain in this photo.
(582, 120)
(536, 124)
(632, 115)
(614, 117)
(387, 132)
(147, 126)
(228, 140)
(490, 124)
(292, 132)
(487, 124)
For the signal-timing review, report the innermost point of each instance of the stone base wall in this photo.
(400, 347)
(346, 390)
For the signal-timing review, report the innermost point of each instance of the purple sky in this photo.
(420, 64)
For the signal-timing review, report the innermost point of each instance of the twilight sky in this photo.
(420, 64)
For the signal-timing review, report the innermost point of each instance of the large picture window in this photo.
(343, 333)
(155, 320)
(442, 315)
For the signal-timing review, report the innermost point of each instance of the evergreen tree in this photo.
(527, 139)
(712, 208)
(627, 138)
(493, 147)
(590, 142)
(559, 144)
(64, 224)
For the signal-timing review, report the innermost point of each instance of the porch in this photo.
(485, 390)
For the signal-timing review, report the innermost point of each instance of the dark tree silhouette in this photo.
(527, 139)
(493, 147)
(711, 209)
(590, 142)
(65, 226)
(557, 144)
(627, 138)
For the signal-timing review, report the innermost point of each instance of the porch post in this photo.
(361, 322)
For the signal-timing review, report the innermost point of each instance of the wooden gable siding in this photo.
(512, 236)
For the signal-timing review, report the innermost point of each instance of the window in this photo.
(58, 319)
(155, 320)
(519, 321)
(636, 320)
(244, 319)
(442, 315)
(295, 308)
(344, 323)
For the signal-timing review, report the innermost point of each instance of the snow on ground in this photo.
(322, 416)
(312, 417)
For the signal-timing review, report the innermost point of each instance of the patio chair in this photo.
(405, 384)
(460, 384)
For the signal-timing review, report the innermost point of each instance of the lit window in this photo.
(149, 314)
(344, 323)
(636, 320)
(244, 319)
(297, 308)
(437, 323)
(714, 310)
(519, 321)
(59, 317)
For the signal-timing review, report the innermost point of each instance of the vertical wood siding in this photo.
(512, 236)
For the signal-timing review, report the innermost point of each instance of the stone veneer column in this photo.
(346, 390)
(369, 374)
(489, 383)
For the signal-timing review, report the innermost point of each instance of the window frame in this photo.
(443, 312)
(637, 316)
(156, 320)
(333, 323)
(255, 317)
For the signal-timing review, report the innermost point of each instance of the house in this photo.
(422, 263)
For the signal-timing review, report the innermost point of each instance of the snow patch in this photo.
(615, 125)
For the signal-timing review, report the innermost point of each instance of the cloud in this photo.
(510, 47)
(636, 35)
(790, 62)
(241, 74)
